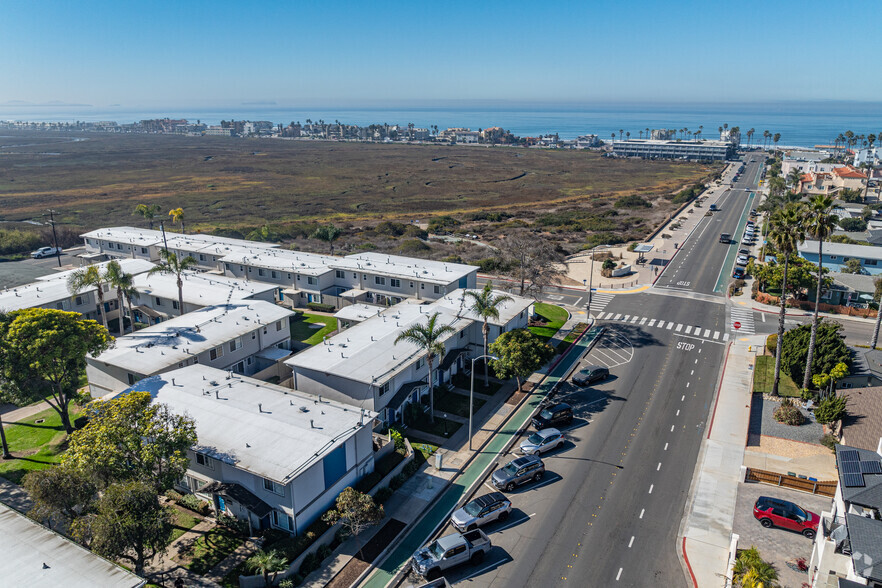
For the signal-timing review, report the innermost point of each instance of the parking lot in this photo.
(776, 546)
(16, 273)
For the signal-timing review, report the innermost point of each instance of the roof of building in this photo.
(672, 142)
(854, 282)
(157, 347)
(359, 312)
(148, 237)
(862, 427)
(458, 302)
(268, 430)
(131, 235)
(367, 352)
(870, 493)
(129, 265)
(240, 494)
(308, 264)
(424, 270)
(865, 537)
(849, 172)
(200, 288)
(38, 557)
(843, 249)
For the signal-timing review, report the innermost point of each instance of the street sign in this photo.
(737, 325)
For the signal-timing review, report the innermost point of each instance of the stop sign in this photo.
(737, 325)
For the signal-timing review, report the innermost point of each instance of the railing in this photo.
(793, 482)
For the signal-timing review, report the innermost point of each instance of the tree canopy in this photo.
(520, 353)
(356, 512)
(830, 350)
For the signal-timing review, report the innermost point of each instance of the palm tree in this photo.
(89, 277)
(776, 138)
(628, 135)
(647, 132)
(486, 305)
(177, 215)
(794, 177)
(148, 211)
(268, 564)
(819, 223)
(171, 264)
(750, 136)
(124, 284)
(428, 337)
(787, 231)
(613, 138)
(4, 322)
(871, 159)
(621, 132)
(751, 571)
(327, 233)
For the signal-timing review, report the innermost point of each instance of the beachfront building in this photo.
(831, 182)
(686, 150)
(848, 546)
(362, 364)
(266, 454)
(248, 338)
(51, 291)
(836, 254)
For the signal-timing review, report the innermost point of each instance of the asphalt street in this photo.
(16, 273)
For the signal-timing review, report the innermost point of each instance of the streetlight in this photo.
(472, 393)
(591, 280)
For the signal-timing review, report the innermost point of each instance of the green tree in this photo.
(428, 337)
(5, 319)
(124, 284)
(819, 224)
(89, 277)
(486, 304)
(130, 437)
(852, 266)
(877, 295)
(268, 564)
(170, 263)
(855, 225)
(129, 523)
(785, 234)
(830, 349)
(177, 215)
(751, 571)
(60, 493)
(356, 512)
(328, 234)
(45, 353)
(148, 211)
(831, 409)
(520, 353)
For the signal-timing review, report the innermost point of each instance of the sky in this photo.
(298, 52)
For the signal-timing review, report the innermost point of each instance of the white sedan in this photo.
(542, 441)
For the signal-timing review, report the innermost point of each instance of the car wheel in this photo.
(477, 557)
(537, 477)
(433, 574)
(503, 515)
(471, 527)
(810, 533)
(509, 487)
(767, 523)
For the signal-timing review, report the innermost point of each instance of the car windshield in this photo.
(535, 439)
(800, 513)
(545, 414)
(510, 469)
(436, 550)
(473, 508)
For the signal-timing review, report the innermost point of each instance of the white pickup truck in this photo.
(449, 551)
(45, 252)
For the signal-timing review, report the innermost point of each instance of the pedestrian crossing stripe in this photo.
(693, 330)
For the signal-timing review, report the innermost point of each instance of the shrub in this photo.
(829, 441)
(831, 410)
(390, 228)
(830, 350)
(383, 494)
(174, 495)
(442, 223)
(320, 307)
(310, 563)
(195, 504)
(398, 439)
(413, 246)
(632, 201)
(287, 583)
(230, 522)
(397, 481)
(452, 259)
(788, 414)
(415, 232)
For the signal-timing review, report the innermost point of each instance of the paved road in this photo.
(16, 273)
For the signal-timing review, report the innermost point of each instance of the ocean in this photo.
(800, 123)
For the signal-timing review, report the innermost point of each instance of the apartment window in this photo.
(201, 257)
(264, 330)
(379, 281)
(204, 461)
(241, 268)
(274, 274)
(289, 276)
(283, 521)
(411, 285)
(354, 276)
(227, 266)
(249, 269)
(236, 344)
(158, 301)
(832, 258)
(271, 486)
(340, 274)
(422, 286)
(437, 289)
(59, 305)
(385, 387)
(253, 335)
(870, 262)
(216, 352)
(298, 277)
(260, 271)
(131, 378)
(461, 334)
(278, 325)
(248, 361)
(311, 280)
(420, 362)
(144, 250)
(395, 283)
(175, 304)
(79, 300)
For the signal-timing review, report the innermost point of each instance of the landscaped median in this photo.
(477, 468)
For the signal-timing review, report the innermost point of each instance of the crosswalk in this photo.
(678, 328)
(599, 300)
(744, 316)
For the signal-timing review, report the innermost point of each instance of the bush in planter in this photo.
(398, 439)
(383, 494)
(321, 307)
(788, 414)
(829, 441)
(831, 410)
(230, 522)
(310, 563)
(174, 495)
(195, 503)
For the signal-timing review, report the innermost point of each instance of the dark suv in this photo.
(774, 512)
(591, 374)
(553, 416)
(517, 472)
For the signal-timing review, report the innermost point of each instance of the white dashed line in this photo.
(619, 575)
(666, 446)
(651, 486)
(672, 430)
(631, 542)
(678, 413)
(658, 467)
(682, 398)
(642, 510)
(692, 373)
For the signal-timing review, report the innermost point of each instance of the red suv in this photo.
(774, 512)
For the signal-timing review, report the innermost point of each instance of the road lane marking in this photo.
(492, 489)
(651, 486)
(763, 315)
(672, 430)
(696, 359)
(706, 333)
(692, 373)
(678, 412)
(682, 398)
(658, 467)
(725, 336)
(642, 510)
(679, 326)
(642, 321)
(517, 522)
(619, 575)
(716, 334)
(635, 318)
(617, 317)
(670, 324)
(631, 542)
(651, 323)
(688, 329)
(666, 446)
(687, 384)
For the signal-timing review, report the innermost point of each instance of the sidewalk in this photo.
(710, 510)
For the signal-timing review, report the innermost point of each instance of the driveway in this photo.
(776, 546)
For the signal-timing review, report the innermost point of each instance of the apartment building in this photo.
(687, 150)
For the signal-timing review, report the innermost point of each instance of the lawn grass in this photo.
(301, 330)
(554, 316)
(36, 446)
(764, 378)
(464, 382)
(183, 522)
(423, 447)
(457, 404)
(568, 340)
(211, 548)
(441, 427)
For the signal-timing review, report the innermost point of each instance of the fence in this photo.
(793, 482)
(764, 298)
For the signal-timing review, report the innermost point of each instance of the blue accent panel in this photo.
(334, 465)
(464, 282)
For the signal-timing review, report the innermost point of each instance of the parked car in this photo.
(744, 252)
(714, 208)
(738, 273)
(518, 471)
(542, 441)
(775, 512)
(742, 260)
(480, 511)
(45, 252)
(591, 374)
(449, 551)
(553, 416)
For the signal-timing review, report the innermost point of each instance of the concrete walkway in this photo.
(166, 569)
(232, 561)
(14, 496)
(710, 510)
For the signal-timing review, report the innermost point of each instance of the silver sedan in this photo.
(542, 441)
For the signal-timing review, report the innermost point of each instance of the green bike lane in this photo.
(728, 263)
(419, 534)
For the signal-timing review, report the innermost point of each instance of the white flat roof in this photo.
(843, 249)
(457, 302)
(425, 270)
(37, 557)
(188, 242)
(131, 235)
(271, 431)
(359, 312)
(284, 260)
(200, 288)
(128, 265)
(157, 347)
(367, 352)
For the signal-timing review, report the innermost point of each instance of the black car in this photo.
(591, 374)
(738, 273)
(553, 416)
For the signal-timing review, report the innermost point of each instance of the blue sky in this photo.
(195, 53)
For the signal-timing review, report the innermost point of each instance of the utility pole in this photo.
(55, 236)
(164, 240)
